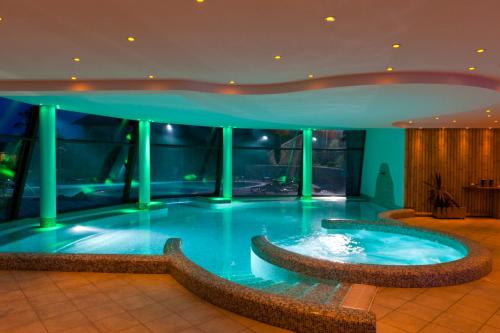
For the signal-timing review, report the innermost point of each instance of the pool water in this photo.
(219, 239)
(372, 247)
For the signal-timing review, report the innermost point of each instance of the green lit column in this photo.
(47, 166)
(144, 165)
(307, 163)
(227, 160)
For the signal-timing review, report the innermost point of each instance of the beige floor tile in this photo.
(116, 323)
(16, 319)
(106, 309)
(134, 302)
(150, 312)
(90, 300)
(494, 321)
(168, 324)
(46, 299)
(88, 328)
(65, 322)
(54, 309)
(380, 310)
(434, 328)
(221, 325)
(386, 328)
(389, 301)
(136, 329)
(433, 302)
(264, 328)
(420, 311)
(404, 321)
(479, 303)
(200, 313)
(457, 323)
(479, 315)
(33, 327)
(489, 329)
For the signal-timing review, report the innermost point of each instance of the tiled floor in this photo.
(96, 302)
(471, 307)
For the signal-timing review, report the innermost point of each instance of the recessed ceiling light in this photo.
(131, 38)
(472, 68)
(437, 118)
(389, 69)
(480, 50)
(329, 19)
(232, 82)
(200, 1)
(453, 121)
(150, 76)
(488, 111)
(73, 78)
(277, 57)
(396, 46)
(311, 76)
(76, 59)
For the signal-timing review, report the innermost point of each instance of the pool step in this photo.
(298, 290)
(278, 288)
(321, 293)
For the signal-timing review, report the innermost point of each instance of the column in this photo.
(227, 162)
(307, 163)
(47, 166)
(144, 165)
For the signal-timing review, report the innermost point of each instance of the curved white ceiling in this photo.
(348, 107)
(223, 40)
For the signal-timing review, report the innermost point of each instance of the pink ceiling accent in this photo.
(384, 78)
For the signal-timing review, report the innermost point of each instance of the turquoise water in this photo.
(372, 247)
(216, 239)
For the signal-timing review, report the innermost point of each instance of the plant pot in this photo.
(449, 212)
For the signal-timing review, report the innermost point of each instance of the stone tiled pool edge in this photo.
(476, 264)
(272, 309)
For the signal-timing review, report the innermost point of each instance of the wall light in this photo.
(277, 57)
(389, 69)
(150, 76)
(264, 138)
(329, 19)
(74, 78)
(311, 76)
(472, 68)
(480, 50)
(396, 46)
(169, 128)
(314, 139)
(76, 59)
(131, 39)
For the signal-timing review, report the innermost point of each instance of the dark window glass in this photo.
(266, 162)
(9, 155)
(30, 204)
(89, 174)
(82, 126)
(337, 162)
(183, 160)
(14, 117)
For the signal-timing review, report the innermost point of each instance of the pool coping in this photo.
(281, 311)
(476, 264)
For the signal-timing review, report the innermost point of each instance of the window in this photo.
(184, 159)
(266, 162)
(337, 162)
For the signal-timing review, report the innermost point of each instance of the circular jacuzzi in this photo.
(377, 253)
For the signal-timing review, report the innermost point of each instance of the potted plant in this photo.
(444, 206)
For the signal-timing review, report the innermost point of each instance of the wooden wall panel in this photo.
(462, 156)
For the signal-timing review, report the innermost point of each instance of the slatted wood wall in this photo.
(462, 156)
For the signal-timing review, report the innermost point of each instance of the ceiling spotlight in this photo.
(150, 76)
(329, 19)
(74, 78)
(396, 46)
(76, 59)
(232, 82)
(480, 50)
(277, 57)
(488, 111)
(472, 68)
(389, 69)
(131, 38)
(311, 76)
